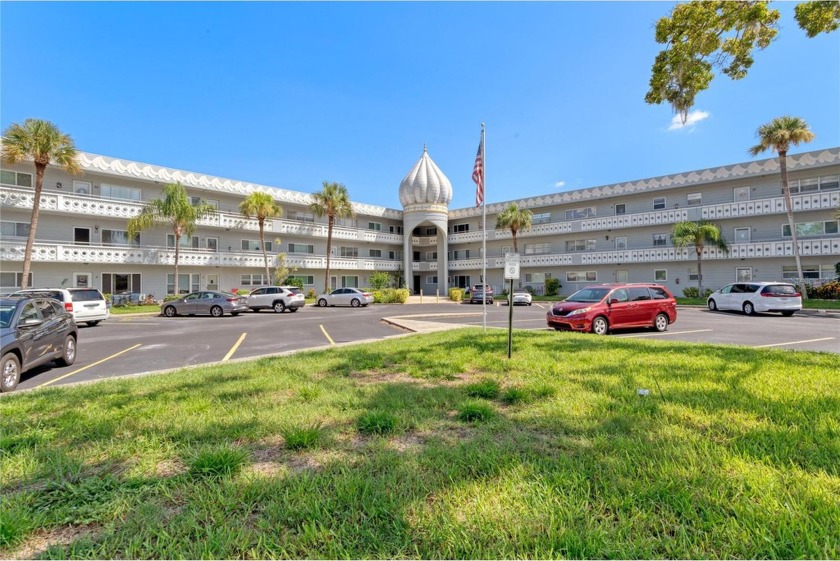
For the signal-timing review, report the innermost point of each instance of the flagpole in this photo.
(484, 226)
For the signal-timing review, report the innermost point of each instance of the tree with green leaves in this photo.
(703, 36)
(176, 211)
(44, 144)
(778, 135)
(262, 206)
(333, 202)
(514, 219)
(698, 235)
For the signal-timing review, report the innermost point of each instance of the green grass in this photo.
(140, 309)
(734, 453)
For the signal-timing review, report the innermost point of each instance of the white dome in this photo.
(425, 184)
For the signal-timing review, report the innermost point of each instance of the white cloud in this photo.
(693, 118)
(560, 184)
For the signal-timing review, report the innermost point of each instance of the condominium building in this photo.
(608, 233)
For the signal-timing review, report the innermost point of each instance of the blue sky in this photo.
(292, 94)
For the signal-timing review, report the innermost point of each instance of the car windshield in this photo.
(588, 295)
(6, 313)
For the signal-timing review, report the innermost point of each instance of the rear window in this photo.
(658, 293)
(785, 289)
(57, 294)
(85, 295)
(294, 290)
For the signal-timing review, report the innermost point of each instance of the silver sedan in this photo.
(345, 297)
(209, 302)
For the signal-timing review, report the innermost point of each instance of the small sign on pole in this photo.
(512, 274)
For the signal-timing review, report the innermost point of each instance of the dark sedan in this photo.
(34, 331)
(209, 302)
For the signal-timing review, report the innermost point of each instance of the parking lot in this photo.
(126, 345)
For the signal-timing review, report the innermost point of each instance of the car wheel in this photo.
(788, 313)
(661, 322)
(68, 354)
(217, 311)
(10, 374)
(712, 305)
(279, 307)
(93, 323)
(749, 309)
(355, 302)
(600, 325)
(557, 328)
(170, 311)
(322, 303)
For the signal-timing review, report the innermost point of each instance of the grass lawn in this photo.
(436, 446)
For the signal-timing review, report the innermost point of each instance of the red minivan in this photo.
(603, 307)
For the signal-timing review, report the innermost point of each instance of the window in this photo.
(82, 187)
(431, 256)
(212, 244)
(119, 192)
(811, 228)
(659, 203)
(395, 229)
(620, 208)
(742, 234)
(579, 213)
(12, 279)
(660, 239)
(395, 255)
(187, 282)
(431, 232)
(14, 229)
(743, 274)
(350, 282)
(431, 280)
(305, 279)
(255, 279)
(346, 222)
(460, 281)
(119, 237)
(581, 276)
(120, 282)
(692, 274)
(828, 182)
(621, 243)
(253, 245)
(195, 201)
(741, 194)
(348, 251)
(301, 248)
(580, 245)
(375, 226)
(536, 248)
(535, 277)
(376, 253)
(81, 236)
(541, 218)
(660, 275)
(460, 254)
(186, 242)
(809, 272)
(300, 216)
(695, 199)
(809, 185)
(460, 228)
(622, 276)
(10, 177)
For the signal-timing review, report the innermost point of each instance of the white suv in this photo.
(752, 297)
(86, 304)
(277, 298)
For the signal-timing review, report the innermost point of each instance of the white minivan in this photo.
(87, 305)
(753, 297)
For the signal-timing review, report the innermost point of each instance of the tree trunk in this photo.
(515, 246)
(789, 210)
(33, 226)
(177, 256)
(262, 244)
(699, 273)
(330, 220)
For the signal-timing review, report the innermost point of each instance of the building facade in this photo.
(610, 233)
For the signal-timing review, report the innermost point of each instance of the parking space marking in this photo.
(327, 335)
(539, 305)
(794, 343)
(235, 346)
(663, 333)
(89, 366)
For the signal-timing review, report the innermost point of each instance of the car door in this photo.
(206, 301)
(257, 299)
(643, 306)
(32, 335)
(340, 297)
(724, 300)
(190, 303)
(620, 308)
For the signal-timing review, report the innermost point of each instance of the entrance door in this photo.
(416, 284)
(213, 281)
(81, 236)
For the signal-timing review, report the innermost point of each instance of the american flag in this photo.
(478, 174)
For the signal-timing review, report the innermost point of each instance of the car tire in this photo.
(355, 302)
(660, 322)
(170, 311)
(279, 307)
(788, 313)
(93, 323)
(749, 309)
(68, 352)
(322, 303)
(217, 311)
(600, 326)
(712, 305)
(9, 372)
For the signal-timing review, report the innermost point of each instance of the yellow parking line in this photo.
(794, 342)
(235, 346)
(89, 366)
(327, 335)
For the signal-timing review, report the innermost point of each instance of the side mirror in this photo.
(31, 322)
(613, 301)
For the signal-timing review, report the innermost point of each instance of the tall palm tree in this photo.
(515, 219)
(174, 210)
(333, 202)
(262, 206)
(778, 135)
(698, 235)
(41, 142)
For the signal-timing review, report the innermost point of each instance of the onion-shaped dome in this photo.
(425, 184)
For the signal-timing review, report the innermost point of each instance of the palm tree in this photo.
(41, 142)
(515, 219)
(698, 235)
(261, 206)
(778, 135)
(333, 202)
(174, 210)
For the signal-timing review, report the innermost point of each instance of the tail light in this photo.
(771, 295)
(366, 294)
(68, 306)
(233, 299)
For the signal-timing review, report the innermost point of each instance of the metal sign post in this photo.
(512, 273)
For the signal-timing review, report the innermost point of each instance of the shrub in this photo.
(170, 297)
(487, 388)
(474, 411)
(691, 292)
(293, 281)
(299, 437)
(390, 296)
(217, 462)
(827, 291)
(376, 422)
(456, 294)
(552, 286)
(311, 294)
(380, 280)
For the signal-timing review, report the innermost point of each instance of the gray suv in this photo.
(277, 298)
